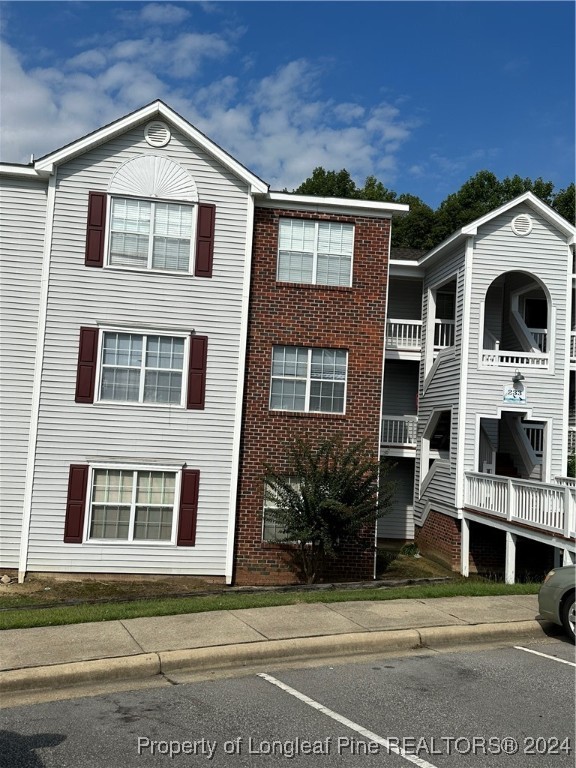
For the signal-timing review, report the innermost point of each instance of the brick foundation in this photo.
(439, 539)
(308, 316)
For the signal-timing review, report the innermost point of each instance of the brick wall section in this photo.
(308, 316)
(439, 539)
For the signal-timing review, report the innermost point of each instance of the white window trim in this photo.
(176, 470)
(315, 254)
(149, 268)
(139, 332)
(308, 382)
(268, 506)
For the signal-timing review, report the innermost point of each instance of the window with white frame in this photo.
(272, 530)
(142, 368)
(317, 252)
(147, 234)
(309, 380)
(132, 505)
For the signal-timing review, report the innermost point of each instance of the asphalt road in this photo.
(492, 708)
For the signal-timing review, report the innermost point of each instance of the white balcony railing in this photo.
(540, 337)
(573, 347)
(535, 436)
(505, 359)
(399, 431)
(443, 334)
(404, 334)
(571, 440)
(547, 506)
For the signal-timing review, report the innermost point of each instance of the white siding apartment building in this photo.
(478, 396)
(125, 287)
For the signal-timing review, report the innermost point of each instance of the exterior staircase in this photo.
(505, 465)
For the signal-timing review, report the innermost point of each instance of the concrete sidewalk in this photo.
(203, 642)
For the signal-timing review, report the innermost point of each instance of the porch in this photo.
(544, 512)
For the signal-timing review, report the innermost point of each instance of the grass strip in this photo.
(77, 614)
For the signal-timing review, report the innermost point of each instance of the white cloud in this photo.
(281, 126)
(163, 13)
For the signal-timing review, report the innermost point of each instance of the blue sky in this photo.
(420, 94)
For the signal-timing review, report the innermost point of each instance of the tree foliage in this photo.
(422, 227)
(325, 499)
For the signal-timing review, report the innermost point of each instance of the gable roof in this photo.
(528, 198)
(156, 109)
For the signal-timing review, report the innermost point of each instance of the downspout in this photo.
(239, 411)
(37, 383)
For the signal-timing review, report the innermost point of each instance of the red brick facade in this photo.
(290, 314)
(439, 539)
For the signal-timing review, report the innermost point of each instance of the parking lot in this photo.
(506, 707)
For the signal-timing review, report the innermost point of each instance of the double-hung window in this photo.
(272, 530)
(309, 380)
(317, 252)
(133, 505)
(146, 234)
(142, 368)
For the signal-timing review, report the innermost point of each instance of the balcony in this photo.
(398, 434)
(406, 335)
(573, 348)
(545, 506)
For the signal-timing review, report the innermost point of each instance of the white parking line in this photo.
(546, 656)
(348, 723)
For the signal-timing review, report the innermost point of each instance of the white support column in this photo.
(465, 547)
(510, 566)
(568, 558)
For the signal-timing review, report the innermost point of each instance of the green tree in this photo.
(564, 203)
(415, 229)
(324, 183)
(325, 499)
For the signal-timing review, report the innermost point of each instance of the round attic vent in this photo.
(157, 134)
(522, 224)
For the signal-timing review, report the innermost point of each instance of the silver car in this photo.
(557, 598)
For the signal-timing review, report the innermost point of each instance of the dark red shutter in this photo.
(76, 503)
(205, 240)
(95, 230)
(188, 508)
(197, 372)
(86, 372)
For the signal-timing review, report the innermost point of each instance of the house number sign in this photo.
(514, 393)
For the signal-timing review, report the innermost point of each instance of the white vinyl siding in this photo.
(22, 222)
(147, 234)
(142, 368)
(308, 379)
(318, 252)
(132, 505)
(149, 302)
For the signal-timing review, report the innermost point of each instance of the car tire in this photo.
(569, 615)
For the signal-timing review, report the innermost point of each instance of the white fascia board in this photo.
(22, 171)
(472, 229)
(155, 109)
(535, 203)
(405, 268)
(331, 205)
(450, 241)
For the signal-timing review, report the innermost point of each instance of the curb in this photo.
(215, 658)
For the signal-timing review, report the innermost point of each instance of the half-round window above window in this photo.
(157, 134)
(154, 176)
(522, 225)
